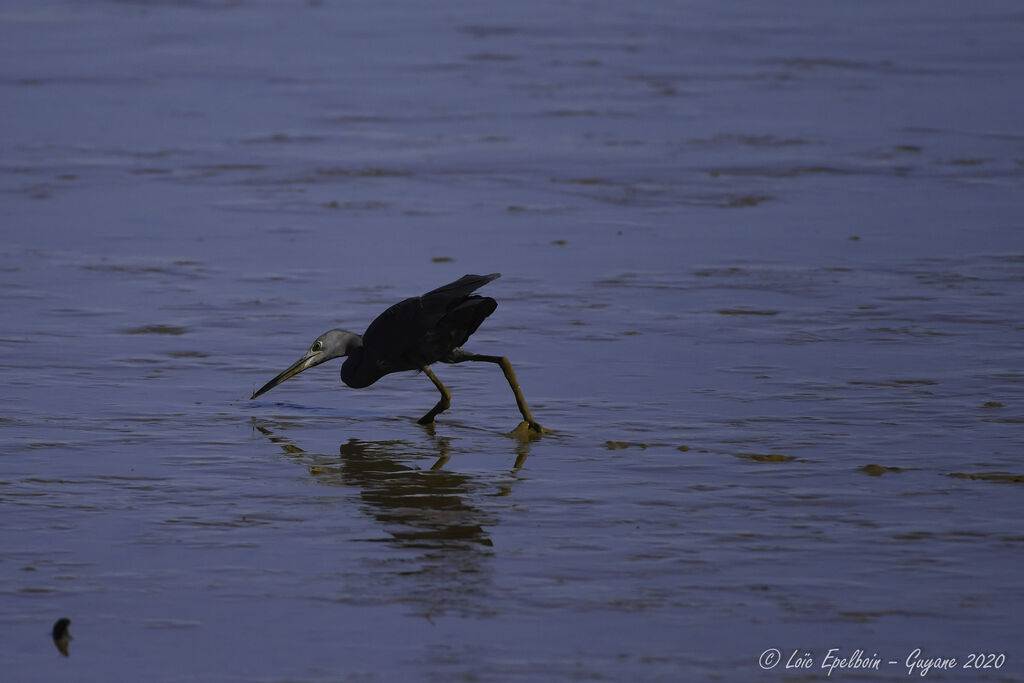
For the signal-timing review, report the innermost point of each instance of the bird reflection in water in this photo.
(423, 509)
(427, 510)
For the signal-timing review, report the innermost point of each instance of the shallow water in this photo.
(763, 274)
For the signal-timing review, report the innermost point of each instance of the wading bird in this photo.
(411, 335)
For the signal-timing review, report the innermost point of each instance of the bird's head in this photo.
(329, 345)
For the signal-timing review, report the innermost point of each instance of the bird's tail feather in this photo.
(465, 285)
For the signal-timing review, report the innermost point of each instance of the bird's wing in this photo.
(393, 335)
(457, 325)
(461, 288)
(437, 302)
(397, 336)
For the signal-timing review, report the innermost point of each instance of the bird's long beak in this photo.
(309, 360)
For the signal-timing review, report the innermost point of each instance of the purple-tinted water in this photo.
(763, 275)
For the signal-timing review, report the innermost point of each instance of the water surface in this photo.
(763, 277)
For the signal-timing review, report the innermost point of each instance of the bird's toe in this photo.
(529, 430)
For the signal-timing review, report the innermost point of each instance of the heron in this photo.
(412, 335)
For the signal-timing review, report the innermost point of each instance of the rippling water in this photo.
(763, 274)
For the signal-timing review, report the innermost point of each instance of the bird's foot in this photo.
(441, 406)
(529, 431)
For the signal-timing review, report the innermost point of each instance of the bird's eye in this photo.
(318, 345)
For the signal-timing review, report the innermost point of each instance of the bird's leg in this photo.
(442, 405)
(510, 375)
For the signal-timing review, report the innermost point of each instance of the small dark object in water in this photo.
(61, 635)
(411, 335)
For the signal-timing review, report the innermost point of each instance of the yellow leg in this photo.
(442, 405)
(510, 375)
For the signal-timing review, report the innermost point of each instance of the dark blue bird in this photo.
(411, 335)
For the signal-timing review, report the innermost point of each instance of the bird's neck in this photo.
(353, 342)
(358, 371)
